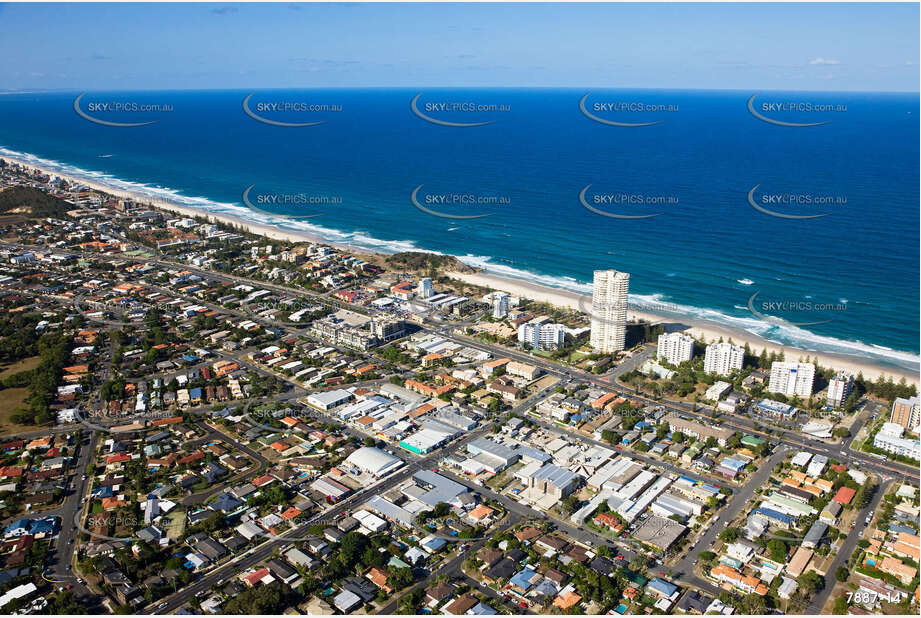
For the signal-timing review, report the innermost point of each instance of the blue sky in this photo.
(843, 47)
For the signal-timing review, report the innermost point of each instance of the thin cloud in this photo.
(224, 10)
(823, 61)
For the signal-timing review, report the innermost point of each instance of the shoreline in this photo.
(698, 328)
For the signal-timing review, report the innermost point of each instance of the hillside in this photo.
(32, 203)
(418, 261)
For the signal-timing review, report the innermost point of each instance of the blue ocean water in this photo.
(858, 265)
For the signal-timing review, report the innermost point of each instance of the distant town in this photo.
(197, 419)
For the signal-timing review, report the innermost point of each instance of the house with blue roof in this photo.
(432, 543)
(661, 588)
(524, 579)
(18, 528)
(776, 517)
(103, 492)
(415, 555)
(226, 503)
(481, 609)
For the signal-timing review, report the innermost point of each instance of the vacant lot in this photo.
(11, 398)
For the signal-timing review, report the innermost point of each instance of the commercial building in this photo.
(660, 532)
(675, 348)
(723, 358)
(609, 310)
(773, 409)
(388, 328)
(374, 461)
(328, 400)
(791, 379)
(553, 480)
(505, 455)
(425, 441)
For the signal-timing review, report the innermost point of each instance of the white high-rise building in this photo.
(675, 348)
(542, 334)
(500, 304)
(839, 389)
(723, 358)
(791, 378)
(609, 310)
(425, 289)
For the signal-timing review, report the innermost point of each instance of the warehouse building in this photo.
(374, 461)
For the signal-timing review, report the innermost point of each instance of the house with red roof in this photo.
(845, 495)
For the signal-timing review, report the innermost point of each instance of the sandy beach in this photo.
(708, 331)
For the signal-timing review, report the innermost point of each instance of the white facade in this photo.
(609, 310)
(542, 335)
(717, 391)
(839, 389)
(723, 358)
(792, 378)
(890, 440)
(500, 305)
(425, 289)
(675, 348)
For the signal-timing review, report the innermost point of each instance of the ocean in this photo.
(539, 184)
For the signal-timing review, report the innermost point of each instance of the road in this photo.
(61, 557)
(737, 503)
(608, 383)
(844, 553)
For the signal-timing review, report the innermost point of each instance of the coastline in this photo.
(697, 328)
(702, 329)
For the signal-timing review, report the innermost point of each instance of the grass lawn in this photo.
(11, 398)
(10, 401)
(8, 369)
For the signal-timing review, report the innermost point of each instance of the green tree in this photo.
(400, 578)
(778, 550)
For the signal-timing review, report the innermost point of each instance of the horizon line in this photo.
(443, 87)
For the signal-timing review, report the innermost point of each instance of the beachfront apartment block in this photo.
(791, 379)
(839, 389)
(906, 412)
(609, 310)
(541, 334)
(675, 348)
(890, 439)
(425, 288)
(500, 303)
(723, 358)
